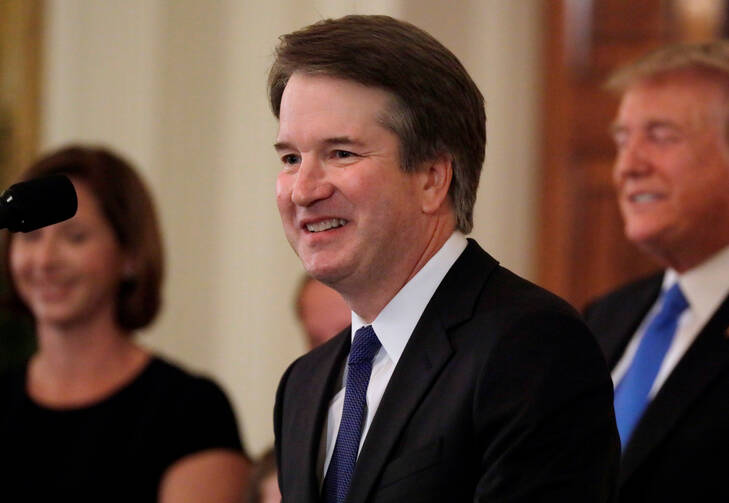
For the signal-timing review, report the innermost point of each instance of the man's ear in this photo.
(436, 175)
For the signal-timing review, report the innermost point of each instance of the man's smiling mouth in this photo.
(644, 197)
(325, 225)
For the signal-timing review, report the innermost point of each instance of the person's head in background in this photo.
(104, 265)
(263, 486)
(672, 139)
(322, 312)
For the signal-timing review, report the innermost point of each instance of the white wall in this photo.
(178, 86)
(498, 42)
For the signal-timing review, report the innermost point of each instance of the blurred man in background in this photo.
(667, 337)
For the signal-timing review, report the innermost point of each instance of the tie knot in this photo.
(364, 346)
(674, 302)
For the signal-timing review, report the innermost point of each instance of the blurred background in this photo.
(179, 88)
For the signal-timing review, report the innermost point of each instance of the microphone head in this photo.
(30, 205)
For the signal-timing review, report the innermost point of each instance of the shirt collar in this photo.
(706, 285)
(398, 318)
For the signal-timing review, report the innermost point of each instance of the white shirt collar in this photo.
(705, 286)
(398, 318)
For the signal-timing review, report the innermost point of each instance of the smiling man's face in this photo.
(672, 165)
(348, 210)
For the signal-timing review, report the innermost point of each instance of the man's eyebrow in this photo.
(282, 145)
(616, 127)
(342, 140)
(337, 140)
(662, 123)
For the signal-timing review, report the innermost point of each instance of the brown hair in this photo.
(711, 58)
(437, 108)
(127, 205)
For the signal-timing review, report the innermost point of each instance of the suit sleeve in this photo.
(543, 410)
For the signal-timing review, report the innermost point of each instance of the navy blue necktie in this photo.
(631, 395)
(344, 457)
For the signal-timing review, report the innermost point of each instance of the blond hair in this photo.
(710, 58)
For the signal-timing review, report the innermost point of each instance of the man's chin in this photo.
(329, 274)
(644, 233)
(328, 277)
(653, 243)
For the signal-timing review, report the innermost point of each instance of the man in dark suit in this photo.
(457, 381)
(667, 337)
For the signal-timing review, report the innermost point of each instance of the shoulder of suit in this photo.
(512, 292)
(644, 285)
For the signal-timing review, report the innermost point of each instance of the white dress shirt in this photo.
(704, 287)
(393, 326)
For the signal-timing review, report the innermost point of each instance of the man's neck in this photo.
(684, 259)
(370, 301)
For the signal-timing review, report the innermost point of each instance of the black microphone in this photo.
(27, 206)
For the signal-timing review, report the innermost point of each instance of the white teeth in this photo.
(325, 225)
(644, 197)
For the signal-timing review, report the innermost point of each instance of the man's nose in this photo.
(311, 183)
(632, 160)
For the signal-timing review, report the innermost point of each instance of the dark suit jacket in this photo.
(680, 449)
(501, 394)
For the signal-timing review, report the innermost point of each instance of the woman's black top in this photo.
(116, 449)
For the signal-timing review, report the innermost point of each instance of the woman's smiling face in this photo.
(68, 274)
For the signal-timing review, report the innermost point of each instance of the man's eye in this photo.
(343, 154)
(290, 159)
(664, 135)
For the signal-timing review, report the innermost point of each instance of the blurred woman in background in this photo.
(93, 415)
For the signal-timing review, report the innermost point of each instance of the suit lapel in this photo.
(707, 357)
(426, 353)
(413, 376)
(319, 389)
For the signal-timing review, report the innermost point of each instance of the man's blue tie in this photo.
(631, 395)
(344, 457)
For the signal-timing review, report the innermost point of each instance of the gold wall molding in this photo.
(20, 41)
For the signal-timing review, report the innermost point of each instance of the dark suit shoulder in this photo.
(482, 303)
(477, 284)
(514, 293)
(645, 286)
(526, 317)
